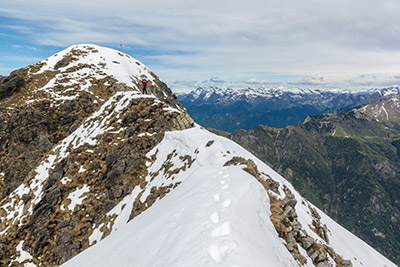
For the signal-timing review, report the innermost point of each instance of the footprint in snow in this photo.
(222, 230)
(219, 251)
(226, 203)
(217, 197)
(214, 217)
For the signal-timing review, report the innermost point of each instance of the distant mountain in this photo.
(232, 109)
(95, 173)
(348, 164)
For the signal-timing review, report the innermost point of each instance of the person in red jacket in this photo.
(144, 82)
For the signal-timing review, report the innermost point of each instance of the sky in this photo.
(345, 44)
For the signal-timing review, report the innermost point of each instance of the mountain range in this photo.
(233, 109)
(95, 173)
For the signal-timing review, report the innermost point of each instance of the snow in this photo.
(65, 180)
(81, 169)
(23, 255)
(177, 231)
(77, 196)
(217, 216)
(121, 66)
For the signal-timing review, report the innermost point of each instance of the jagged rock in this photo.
(273, 185)
(291, 242)
(63, 62)
(63, 224)
(323, 264)
(56, 174)
(322, 256)
(115, 173)
(307, 242)
(297, 226)
(132, 162)
(53, 197)
(289, 200)
(41, 240)
(130, 118)
(11, 84)
(289, 213)
(314, 255)
(112, 157)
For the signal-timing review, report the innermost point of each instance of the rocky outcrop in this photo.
(285, 220)
(11, 84)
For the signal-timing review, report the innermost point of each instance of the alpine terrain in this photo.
(348, 164)
(95, 173)
(233, 109)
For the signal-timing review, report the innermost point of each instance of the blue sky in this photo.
(238, 43)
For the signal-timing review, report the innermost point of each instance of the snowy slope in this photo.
(218, 216)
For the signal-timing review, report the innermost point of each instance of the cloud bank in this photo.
(236, 40)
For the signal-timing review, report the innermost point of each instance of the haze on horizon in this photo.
(237, 43)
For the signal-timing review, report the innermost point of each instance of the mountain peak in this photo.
(103, 61)
(87, 69)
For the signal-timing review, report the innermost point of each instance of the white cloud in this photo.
(310, 81)
(256, 82)
(336, 39)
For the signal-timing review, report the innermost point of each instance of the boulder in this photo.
(307, 242)
(11, 84)
(289, 200)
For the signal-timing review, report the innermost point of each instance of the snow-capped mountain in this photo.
(301, 95)
(232, 109)
(94, 173)
(215, 94)
(387, 110)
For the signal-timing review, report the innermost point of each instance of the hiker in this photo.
(144, 82)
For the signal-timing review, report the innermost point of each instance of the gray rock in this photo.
(62, 63)
(112, 158)
(289, 200)
(291, 242)
(53, 197)
(323, 264)
(307, 242)
(129, 118)
(115, 173)
(11, 84)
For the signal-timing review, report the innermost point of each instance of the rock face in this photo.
(57, 117)
(347, 164)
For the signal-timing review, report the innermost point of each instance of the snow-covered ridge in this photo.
(217, 216)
